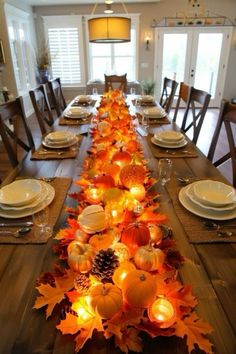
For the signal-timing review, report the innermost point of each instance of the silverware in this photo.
(211, 225)
(18, 233)
(59, 153)
(226, 233)
(17, 224)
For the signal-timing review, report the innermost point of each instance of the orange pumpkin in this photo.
(135, 235)
(81, 236)
(113, 170)
(104, 181)
(132, 175)
(80, 256)
(106, 300)
(121, 272)
(139, 288)
(113, 194)
(121, 158)
(149, 258)
(102, 241)
(132, 146)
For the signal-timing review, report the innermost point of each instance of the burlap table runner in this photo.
(61, 186)
(51, 154)
(160, 152)
(193, 224)
(71, 121)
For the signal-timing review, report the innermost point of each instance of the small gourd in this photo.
(92, 219)
(149, 258)
(80, 256)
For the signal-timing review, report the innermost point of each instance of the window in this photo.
(116, 58)
(18, 23)
(64, 35)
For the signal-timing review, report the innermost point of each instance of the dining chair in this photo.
(42, 107)
(227, 116)
(182, 101)
(168, 94)
(57, 97)
(113, 82)
(197, 104)
(14, 130)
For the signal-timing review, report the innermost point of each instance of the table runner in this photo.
(159, 152)
(61, 186)
(193, 224)
(51, 154)
(68, 121)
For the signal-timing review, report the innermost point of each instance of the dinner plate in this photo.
(60, 146)
(191, 195)
(154, 113)
(163, 141)
(20, 192)
(169, 136)
(76, 113)
(60, 136)
(49, 193)
(167, 145)
(197, 210)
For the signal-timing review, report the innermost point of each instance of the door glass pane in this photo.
(174, 56)
(208, 58)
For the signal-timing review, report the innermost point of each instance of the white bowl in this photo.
(77, 111)
(20, 192)
(169, 136)
(147, 98)
(214, 193)
(154, 112)
(59, 136)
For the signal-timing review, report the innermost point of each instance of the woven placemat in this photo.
(61, 186)
(73, 121)
(56, 154)
(193, 224)
(83, 104)
(159, 152)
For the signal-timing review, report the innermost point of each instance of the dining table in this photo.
(209, 260)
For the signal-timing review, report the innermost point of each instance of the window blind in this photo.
(65, 54)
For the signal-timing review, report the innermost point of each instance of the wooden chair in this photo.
(113, 82)
(183, 97)
(227, 115)
(42, 107)
(57, 97)
(195, 111)
(168, 94)
(12, 121)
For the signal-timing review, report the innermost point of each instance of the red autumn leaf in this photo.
(129, 341)
(52, 295)
(72, 295)
(195, 330)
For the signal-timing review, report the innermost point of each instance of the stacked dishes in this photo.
(24, 197)
(146, 99)
(154, 113)
(169, 139)
(60, 139)
(83, 99)
(209, 199)
(77, 113)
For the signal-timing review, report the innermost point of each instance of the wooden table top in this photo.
(210, 268)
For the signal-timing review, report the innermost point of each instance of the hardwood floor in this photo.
(203, 142)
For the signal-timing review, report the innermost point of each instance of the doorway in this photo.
(197, 56)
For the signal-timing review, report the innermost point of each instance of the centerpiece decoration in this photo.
(119, 267)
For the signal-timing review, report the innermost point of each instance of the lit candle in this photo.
(83, 310)
(94, 195)
(138, 192)
(162, 311)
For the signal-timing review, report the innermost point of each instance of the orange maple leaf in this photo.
(129, 341)
(195, 330)
(50, 295)
(149, 215)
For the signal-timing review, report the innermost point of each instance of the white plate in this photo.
(20, 192)
(49, 194)
(163, 141)
(146, 98)
(60, 146)
(197, 210)
(214, 193)
(76, 112)
(169, 136)
(169, 146)
(191, 195)
(83, 98)
(60, 136)
(154, 113)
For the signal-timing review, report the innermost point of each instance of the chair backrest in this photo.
(57, 97)
(14, 129)
(113, 82)
(168, 94)
(183, 97)
(227, 115)
(197, 105)
(42, 107)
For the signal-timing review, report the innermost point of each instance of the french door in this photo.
(197, 56)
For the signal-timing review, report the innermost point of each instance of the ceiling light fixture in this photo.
(110, 29)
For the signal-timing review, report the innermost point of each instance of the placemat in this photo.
(159, 152)
(51, 154)
(193, 224)
(70, 121)
(61, 186)
(84, 104)
(144, 104)
(154, 121)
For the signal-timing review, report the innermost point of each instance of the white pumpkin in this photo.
(92, 219)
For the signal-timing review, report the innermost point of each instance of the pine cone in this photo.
(82, 283)
(104, 264)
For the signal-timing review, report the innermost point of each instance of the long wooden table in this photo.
(210, 268)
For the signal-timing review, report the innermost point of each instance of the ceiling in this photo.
(78, 2)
